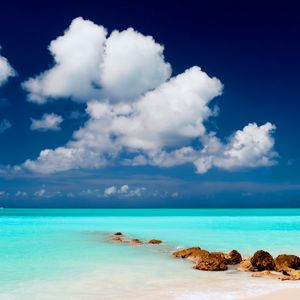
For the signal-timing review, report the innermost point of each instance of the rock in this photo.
(118, 233)
(192, 253)
(135, 242)
(261, 261)
(292, 274)
(284, 262)
(117, 239)
(233, 257)
(269, 274)
(211, 261)
(155, 242)
(245, 265)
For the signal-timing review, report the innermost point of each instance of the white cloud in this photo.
(110, 191)
(43, 193)
(6, 70)
(250, 147)
(160, 127)
(88, 65)
(124, 191)
(47, 122)
(3, 194)
(40, 193)
(132, 64)
(77, 56)
(4, 125)
(21, 194)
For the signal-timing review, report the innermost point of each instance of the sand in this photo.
(287, 294)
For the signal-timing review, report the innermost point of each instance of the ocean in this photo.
(66, 253)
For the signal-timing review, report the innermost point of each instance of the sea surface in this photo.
(66, 253)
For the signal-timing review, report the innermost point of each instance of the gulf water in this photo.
(66, 253)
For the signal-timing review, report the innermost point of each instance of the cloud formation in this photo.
(47, 122)
(6, 70)
(4, 125)
(124, 191)
(89, 65)
(138, 114)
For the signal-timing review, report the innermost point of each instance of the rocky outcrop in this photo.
(192, 253)
(118, 233)
(205, 260)
(135, 242)
(261, 261)
(233, 257)
(154, 242)
(269, 274)
(211, 261)
(284, 263)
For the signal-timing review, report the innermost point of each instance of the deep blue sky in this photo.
(251, 46)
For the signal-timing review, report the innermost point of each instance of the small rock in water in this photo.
(211, 261)
(155, 242)
(135, 242)
(118, 233)
(262, 260)
(117, 239)
(233, 257)
(284, 263)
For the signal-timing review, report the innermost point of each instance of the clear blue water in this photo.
(65, 253)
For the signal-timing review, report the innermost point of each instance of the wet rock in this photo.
(154, 242)
(261, 261)
(292, 274)
(284, 262)
(192, 253)
(118, 233)
(245, 265)
(211, 261)
(135, 242)
(269, 274)
(233, 257)
(117, 239)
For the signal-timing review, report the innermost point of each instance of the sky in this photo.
(149, 104)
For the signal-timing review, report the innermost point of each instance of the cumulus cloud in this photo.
(4, 125)
(87, 65)
(21, 194)
(43, 193)
(77, 56)
(6, 70)
(124, 191)
(138, 114)
(47, 122)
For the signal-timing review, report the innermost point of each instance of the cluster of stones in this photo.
(261, 264)
(120, 238)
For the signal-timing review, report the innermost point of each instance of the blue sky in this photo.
(153, 104)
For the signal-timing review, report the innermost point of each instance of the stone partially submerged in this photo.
(284, 263)
(233, 257)
(211, 261)
(155, 242)
(262, 260)
(205, 260)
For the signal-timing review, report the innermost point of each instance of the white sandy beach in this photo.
(287, 294)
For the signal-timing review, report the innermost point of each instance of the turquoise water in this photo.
(65, 253)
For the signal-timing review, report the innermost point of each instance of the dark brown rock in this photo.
(211, 261)
(261, 261)
(233, 257)
(284, 262)
(154, 242)
(118, 233)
